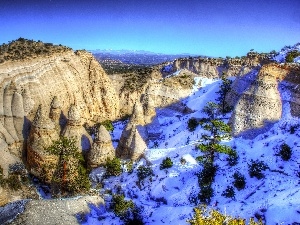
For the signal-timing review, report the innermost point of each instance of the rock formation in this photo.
(131, 146)
(74, 129)
(55, 113)
(258, 105)
(134, 131)
(56, 211)
(102, 149)
(42, 135)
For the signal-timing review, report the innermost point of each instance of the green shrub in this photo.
(13, 182)
(285, 152)
(192, 124)
(256, 167)
(205, 194)
(166, 163)
(120, 206)
(239, 181)
(108, 125)
(232, 158)
(143, 172)
(203, 216)
(207, 175)
(113, 167)
(289, 58)
(229, 192)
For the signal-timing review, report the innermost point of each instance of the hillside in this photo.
(242, 112)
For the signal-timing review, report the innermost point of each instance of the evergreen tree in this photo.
(225, 88)
(70, 175)
(217, 130)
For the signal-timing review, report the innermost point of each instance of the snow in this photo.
(280, 57)
(166, 198)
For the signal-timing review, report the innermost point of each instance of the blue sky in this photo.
(210, 27)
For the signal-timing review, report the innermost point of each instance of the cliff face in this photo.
(56, 80)
(214, 67)
(74, 77)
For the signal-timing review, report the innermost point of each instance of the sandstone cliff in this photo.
(257, 99)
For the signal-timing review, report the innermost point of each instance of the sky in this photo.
(215, 28)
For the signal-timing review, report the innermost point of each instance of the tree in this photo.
(217, 130)
(225, 88)
(70, 174)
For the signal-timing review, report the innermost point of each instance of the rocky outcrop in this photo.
(134, 131)
(259, 105)
(59, 211)
(76, 131)
(131, 146)
(102, 149)
(55, 113)
(42, 135)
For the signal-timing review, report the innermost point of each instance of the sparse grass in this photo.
(23, 48)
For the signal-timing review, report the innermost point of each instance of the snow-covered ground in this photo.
(166, 198)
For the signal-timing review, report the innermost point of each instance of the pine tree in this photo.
(217, 130)
(225, 88)
(70, 175)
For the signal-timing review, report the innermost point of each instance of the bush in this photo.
(229, 192)
(192, 124)
(113, 167)
(108, 125)
(239, 181)
(120, 206)
(202, 216)
(207, 175)
(205, 194)
(256, 167)
(13, 182)
(285, 152)
(232, 158)
(143, 172)
(291, 56)
(166, 163)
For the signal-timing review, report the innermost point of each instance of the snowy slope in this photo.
(166, 197)
(280, 57)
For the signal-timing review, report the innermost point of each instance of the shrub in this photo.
(143, 172)
(256, 167)
(166, 163)
(192, 124)
(13, 182)
(232, 158)
(120, 206)
(239, 181)
(207, 175)
(285, 152)
(205, 194)
(202, 216)
(229, 192)
(291, 56)
(113, 167)
(108, 125)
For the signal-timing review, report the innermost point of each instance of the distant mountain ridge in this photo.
(139, 57)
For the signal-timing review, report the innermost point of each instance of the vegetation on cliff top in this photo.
(24, 48)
